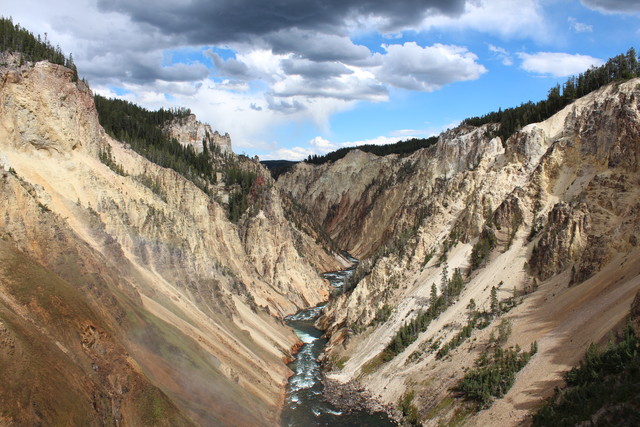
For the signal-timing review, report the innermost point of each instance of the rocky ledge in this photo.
(352, 396)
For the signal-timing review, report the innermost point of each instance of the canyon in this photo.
(129, 296)
(556, 208)
(125, 302)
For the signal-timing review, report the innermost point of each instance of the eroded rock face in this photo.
(563, 241)
(50, 113)
(189, 131)
(177, 293)
(364, 200)
(560, 197)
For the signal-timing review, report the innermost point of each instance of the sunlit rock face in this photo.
(188, 131)
(556, 208)
(159, 310)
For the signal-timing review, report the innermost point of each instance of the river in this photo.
(304, 404)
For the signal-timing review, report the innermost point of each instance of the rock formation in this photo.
(125, 302)
(548, 217)
(188, 131)
(128, 296)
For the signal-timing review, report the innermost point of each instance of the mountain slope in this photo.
(186, 302)
(549, 217)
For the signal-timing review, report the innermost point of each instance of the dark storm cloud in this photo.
(316, 46)
(630, 6)
(220, 21)
(137, 68)
(345, 90)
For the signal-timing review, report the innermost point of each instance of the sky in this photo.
(291, 78)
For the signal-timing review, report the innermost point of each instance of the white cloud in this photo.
(579, 27)
(556, 64)
(410, 66)
(502, 54)
(295, 153)
(506, 18)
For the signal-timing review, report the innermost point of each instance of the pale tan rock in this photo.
(174, 258)
(574, 179)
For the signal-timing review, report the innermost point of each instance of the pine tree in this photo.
(495, 305)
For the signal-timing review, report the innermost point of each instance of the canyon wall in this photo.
(134, 286)
(550, 219)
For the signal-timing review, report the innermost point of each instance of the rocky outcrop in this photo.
(188, 131)
(563, 240)
(176, 293)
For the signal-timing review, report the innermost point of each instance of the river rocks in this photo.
(352, 396)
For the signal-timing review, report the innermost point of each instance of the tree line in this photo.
(603, 390)
(143, 130)
(620, 67)
(400, 147)
(15, 39)
(410, 331)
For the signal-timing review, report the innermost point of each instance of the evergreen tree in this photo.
(434, 294)
(495, 305)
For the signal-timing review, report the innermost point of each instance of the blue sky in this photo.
(291, 78)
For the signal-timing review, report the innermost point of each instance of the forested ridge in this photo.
(15, 39)
(400, 147)
(142, 129)
(618, 68)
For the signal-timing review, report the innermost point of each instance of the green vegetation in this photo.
(458, 339)
(278, 167)
(337, 361)
(373, 364)
(617, 68)
(152, 184)
(494, 374)
(481, 250)
(400, 147)
(409, 332)
(382, 315)
(106, 157)
(475, 320)
(16, 39)
(244, 183)
(605, 385)
(442, 406)
(408, 409)
(142, 130)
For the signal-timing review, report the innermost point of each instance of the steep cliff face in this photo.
(188, 131)
(548, 218)
(177, 314)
